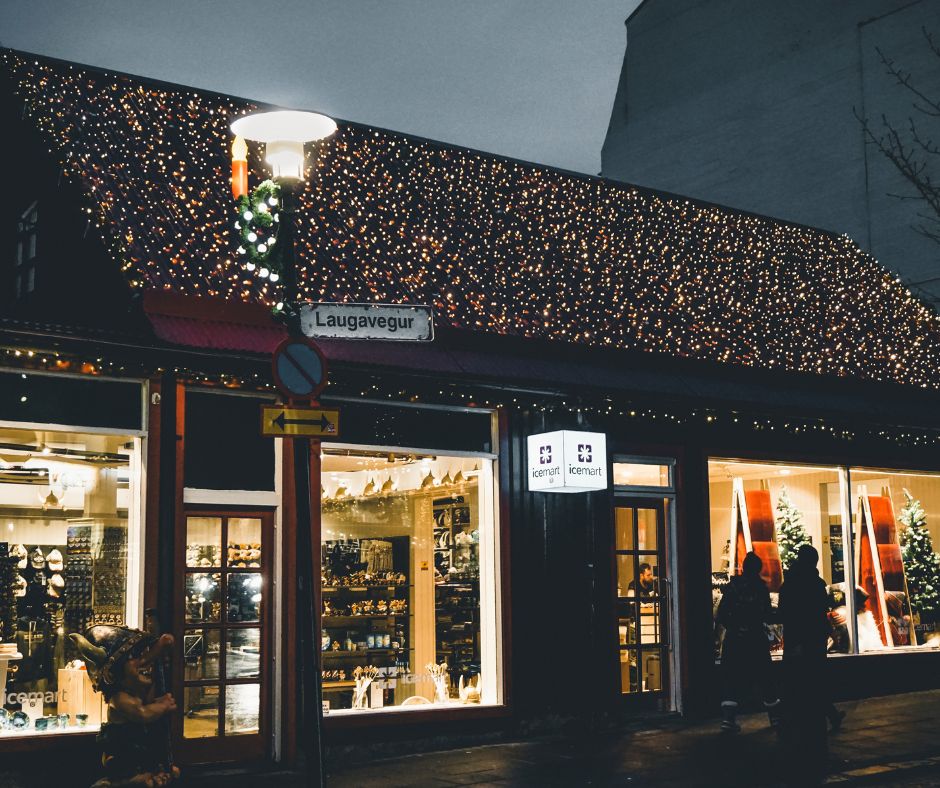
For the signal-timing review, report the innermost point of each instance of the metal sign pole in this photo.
(312, 706)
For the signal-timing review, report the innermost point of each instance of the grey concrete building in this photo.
(750, 104)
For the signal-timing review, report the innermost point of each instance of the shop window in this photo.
(69, 537)
(895, 532)
(224, 449)
(448, 430)
(640, 474)
(27, 252)
(410, 581)
(770, 509)
(47, 399)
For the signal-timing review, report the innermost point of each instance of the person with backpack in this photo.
(744, 612)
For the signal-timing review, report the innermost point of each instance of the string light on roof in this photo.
(496, 245)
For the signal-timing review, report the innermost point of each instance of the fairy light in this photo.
(495, 245)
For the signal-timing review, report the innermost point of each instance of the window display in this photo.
(771, 509)
(68, 518)
(409, 582)
(895, 526)
(875, 544)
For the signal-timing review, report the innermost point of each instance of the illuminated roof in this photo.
(496, 245)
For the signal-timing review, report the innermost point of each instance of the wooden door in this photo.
(641, 586)
(223, 635)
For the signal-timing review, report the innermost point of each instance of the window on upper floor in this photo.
(26, 251)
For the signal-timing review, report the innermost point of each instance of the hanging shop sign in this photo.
(282, 421)
(567, 461)
(392, 322)
(299, 368)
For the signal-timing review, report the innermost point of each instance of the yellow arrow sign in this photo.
(279, 421)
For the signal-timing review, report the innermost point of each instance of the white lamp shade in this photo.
(284, 125)
(284, 133)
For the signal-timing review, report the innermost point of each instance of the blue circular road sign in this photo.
(299, 368)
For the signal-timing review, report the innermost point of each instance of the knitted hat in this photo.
(105, 648)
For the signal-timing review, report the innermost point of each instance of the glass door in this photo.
(223, 635)
(642, 585)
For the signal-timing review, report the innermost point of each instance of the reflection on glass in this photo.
(625, 575)
(201, 654)
(649, 622)
(242, 708)
(650, 669)
(626, 622)
(203, 604)
(200, 712)
(243, 653)
(244, 542)
(203, 541)
(623, 522)
(635, 474)
(628, 676)
(646, 529)
(244, 597)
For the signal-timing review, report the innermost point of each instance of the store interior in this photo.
(409, 582)
(66, 499)
(860, 538)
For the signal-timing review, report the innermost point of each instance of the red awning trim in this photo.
(211, 323)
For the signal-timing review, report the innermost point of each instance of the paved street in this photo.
(888, 741)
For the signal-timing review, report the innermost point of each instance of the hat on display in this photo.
(37, 559)
(19, 552)
(55, 585)
(54, 559)
(19, 586)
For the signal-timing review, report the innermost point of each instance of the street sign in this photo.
(299, 368)
(391, 322)
(283, 421)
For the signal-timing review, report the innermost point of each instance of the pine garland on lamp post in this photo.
(921, 563)
(791, 533)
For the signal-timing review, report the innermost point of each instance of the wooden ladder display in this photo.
(753, 529)
(879, 568)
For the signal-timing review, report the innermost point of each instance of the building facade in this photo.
(754, 106)
(719, 364)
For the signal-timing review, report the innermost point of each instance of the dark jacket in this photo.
(803, 609)
(745, 608)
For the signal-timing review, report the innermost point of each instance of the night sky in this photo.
(530, 79)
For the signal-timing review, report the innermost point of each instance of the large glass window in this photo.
(875, 531)
(895, 529)
(772, 508)
(69, 538)
(410, 581)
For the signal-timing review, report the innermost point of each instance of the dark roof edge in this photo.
(440, 144)
(634, 12)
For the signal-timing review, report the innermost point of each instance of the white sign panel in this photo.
(567, 461)
(396, 322)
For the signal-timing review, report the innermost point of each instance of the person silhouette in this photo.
(804, 606)
(743, 612)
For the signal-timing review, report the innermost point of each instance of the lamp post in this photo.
(284, 133)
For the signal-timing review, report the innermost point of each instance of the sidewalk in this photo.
(888, 740)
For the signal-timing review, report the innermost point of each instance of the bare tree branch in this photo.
(913, 152)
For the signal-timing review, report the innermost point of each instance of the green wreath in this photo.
(257, 224)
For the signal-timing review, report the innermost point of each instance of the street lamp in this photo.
(284, 133)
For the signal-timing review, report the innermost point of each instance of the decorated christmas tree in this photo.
(921, 563)
(791, 533)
